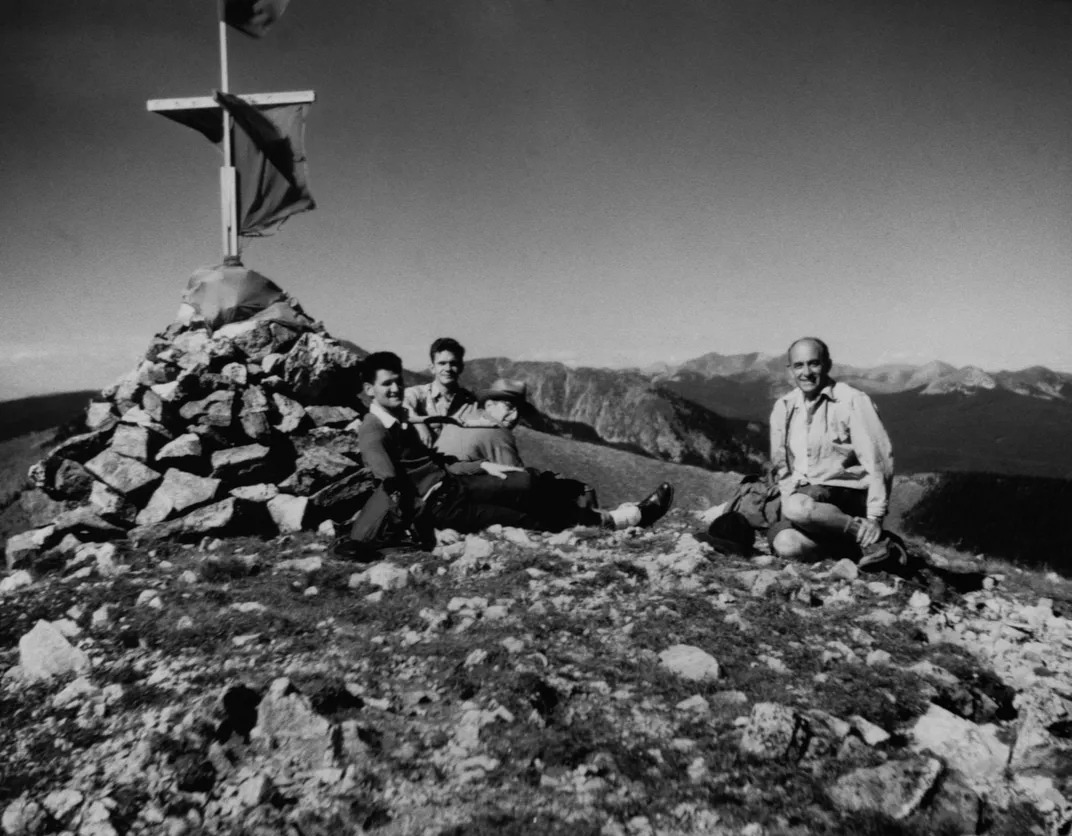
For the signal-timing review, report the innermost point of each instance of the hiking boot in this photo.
(654, 507)
(885, 555)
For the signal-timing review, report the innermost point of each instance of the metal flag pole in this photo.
(228, 173)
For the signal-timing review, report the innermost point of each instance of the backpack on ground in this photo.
(758, 502)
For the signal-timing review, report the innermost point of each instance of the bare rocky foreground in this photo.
(629, 683)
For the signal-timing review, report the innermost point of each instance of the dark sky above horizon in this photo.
(604, 182)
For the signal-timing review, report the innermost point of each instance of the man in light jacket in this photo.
(833, 461)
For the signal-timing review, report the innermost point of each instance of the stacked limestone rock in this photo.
(241, 430)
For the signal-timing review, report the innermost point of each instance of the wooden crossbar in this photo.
(206, 102)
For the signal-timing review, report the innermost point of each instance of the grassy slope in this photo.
(620, 476)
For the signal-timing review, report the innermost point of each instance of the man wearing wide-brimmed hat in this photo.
(491, 439)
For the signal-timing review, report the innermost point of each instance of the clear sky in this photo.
(605, 182)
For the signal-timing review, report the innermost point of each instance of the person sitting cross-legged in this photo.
(425, 490)
(834, 463)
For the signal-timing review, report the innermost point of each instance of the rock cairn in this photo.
(245, 429)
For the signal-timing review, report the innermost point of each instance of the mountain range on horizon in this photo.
(939, 417)
(712, 411)
(932, 378)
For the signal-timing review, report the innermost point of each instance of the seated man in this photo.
(489, 437)
(444, 397)
(834, 464)
(430, 490)
(492, 439)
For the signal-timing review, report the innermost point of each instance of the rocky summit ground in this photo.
(581, 683)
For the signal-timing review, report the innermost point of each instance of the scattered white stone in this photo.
(75, 691)
(920, 600)
(475, 604)
(845, 569)
(16, 580)
(690, 662)
(871, 734)
(255, 790)
(311, 592)
(562, 538)
(512, 645)
(895, 788)
(722, 699)
(695, 703)
(774, 663)
(861, 637)
(697, 770)
(326, 529)
(23, 817)
(149, 598)
(188, 577)
(517, 536)
(101, 616)
(387, 576)
(475, 658)
(478, 548)
(249, 607)
(288, 512)
(104, 555)
(882, 590)
(308, 565)
(878, 659)
(974, 750)
(69, 628)
(62, 804)
(44, 652)
(883, 618)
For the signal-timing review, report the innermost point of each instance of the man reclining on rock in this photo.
(421, 490)
(834, 465)
(488, 436)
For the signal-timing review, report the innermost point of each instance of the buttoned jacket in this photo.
(847, 444)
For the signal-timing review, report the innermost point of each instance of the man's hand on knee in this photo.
(868, 532)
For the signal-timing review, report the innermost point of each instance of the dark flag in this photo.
(252, 17)
(268, 152)
(269, 155)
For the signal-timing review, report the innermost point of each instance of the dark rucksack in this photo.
(758, 502)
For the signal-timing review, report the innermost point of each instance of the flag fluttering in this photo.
(252, 17)
(269, 154)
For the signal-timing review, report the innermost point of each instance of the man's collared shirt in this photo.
(837, 440)
(386, 418)
(427, 399)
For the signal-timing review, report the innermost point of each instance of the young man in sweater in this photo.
(429, 490)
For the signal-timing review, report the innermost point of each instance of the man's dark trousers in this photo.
(475, 501)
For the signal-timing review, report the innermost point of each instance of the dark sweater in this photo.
(398, 454)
